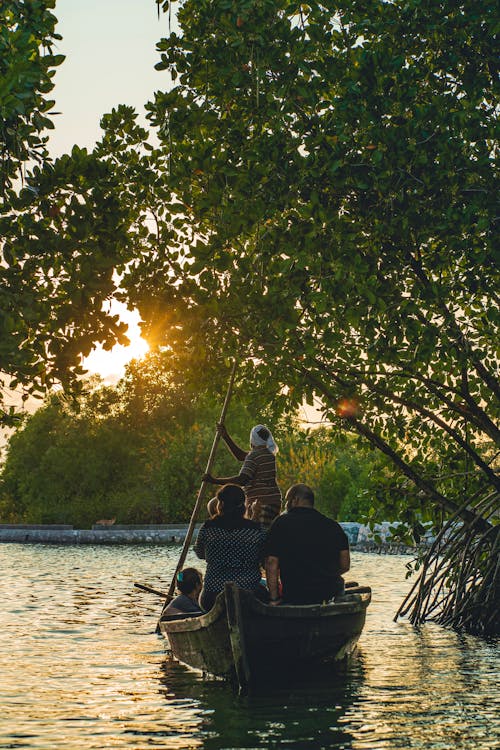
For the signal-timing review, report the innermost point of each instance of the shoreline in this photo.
(155, 534)
(65, 534)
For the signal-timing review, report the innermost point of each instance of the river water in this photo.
(81, 667)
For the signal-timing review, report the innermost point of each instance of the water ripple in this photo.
(82, 667)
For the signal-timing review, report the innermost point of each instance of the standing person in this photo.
(257, 475)
(231, 545)
(307, 551)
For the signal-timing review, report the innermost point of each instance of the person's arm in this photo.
(199, 545)
(340, 541)
(237, 452)
(247, 473)
(241, 479)
(272, 577)
(344, 561)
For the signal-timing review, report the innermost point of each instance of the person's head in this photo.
(231, 499)
(261, 436)
(189, 582)
(299, 496)
(213, 507)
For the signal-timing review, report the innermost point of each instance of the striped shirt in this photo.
(260, 467)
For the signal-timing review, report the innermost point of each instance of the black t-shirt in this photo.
(308, 545)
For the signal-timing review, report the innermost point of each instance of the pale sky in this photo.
(110, 48)
(110, 57)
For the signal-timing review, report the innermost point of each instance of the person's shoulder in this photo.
(251, 457)
(252, 453)
(184, 604)
(333, 525)
(327, 519)
(247, 523)
(259, 452)
(180, 601)
(282, 521)
(210, 523)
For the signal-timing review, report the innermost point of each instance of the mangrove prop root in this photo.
(459, 582)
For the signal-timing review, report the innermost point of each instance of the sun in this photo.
(110, 365)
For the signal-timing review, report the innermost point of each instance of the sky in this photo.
(110, 57)
(110, 48)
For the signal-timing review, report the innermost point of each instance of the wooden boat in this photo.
(243, 639)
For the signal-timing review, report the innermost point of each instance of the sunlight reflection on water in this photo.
(81, 666)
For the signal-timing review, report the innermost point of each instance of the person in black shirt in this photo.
(307, 551)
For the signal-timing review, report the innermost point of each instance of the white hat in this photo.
(256, 440)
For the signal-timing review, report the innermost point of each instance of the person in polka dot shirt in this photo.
(231, 545)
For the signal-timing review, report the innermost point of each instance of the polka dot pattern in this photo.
(232, 554)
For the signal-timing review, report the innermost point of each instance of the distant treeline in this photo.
(136, 453)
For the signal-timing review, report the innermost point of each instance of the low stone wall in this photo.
(167, 534)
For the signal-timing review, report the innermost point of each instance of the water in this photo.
(81, 667)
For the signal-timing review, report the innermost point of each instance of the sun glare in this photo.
(111, 364)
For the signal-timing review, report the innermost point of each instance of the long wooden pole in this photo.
(201, 491)
(149, 589)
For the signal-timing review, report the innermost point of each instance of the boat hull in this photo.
(244, 638)
(202, 642)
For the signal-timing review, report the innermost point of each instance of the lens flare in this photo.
(348, 407)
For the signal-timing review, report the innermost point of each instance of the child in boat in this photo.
(189, 585)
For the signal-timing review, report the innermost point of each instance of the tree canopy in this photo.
(136, 452)
(63, 224)
(325, 207)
